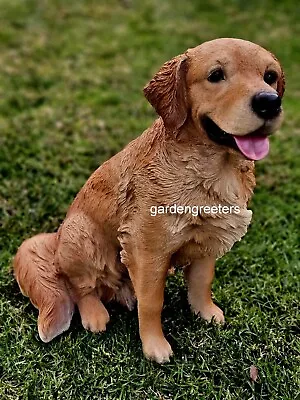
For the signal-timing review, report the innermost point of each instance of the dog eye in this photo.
(270, 77)
(216, 76)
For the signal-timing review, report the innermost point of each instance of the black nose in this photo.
(266, 104)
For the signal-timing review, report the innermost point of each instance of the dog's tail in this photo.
(38, 279)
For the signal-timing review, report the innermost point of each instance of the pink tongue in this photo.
(253, 147)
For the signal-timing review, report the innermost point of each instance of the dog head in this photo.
(231, 88)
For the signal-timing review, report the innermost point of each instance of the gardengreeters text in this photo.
(194, 210)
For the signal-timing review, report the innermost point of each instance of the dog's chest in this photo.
(215, 213)
(215, 229)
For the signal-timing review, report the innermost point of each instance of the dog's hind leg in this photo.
(38, 279)
(94, 315)
(82, 256)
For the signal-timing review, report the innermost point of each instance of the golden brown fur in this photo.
(109, 246)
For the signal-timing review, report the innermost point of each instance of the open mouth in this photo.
(254, 145)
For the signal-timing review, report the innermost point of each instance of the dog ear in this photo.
(281, 80)
(281, 84)
(167, 93)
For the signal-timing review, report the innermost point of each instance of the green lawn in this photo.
(71, 79)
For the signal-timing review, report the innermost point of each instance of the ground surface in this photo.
(71, 74)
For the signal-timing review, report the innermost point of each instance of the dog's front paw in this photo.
(158, 349)
(211, 312)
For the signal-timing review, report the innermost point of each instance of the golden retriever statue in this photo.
(217, 104)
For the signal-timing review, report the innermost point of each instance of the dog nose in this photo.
(266, 104)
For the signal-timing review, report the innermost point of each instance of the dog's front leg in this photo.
(148, 274)
(199, 276)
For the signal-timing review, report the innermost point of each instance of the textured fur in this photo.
(110, 247)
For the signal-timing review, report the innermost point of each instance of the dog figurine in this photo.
(217, 104)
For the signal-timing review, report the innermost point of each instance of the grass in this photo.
(71, 74)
